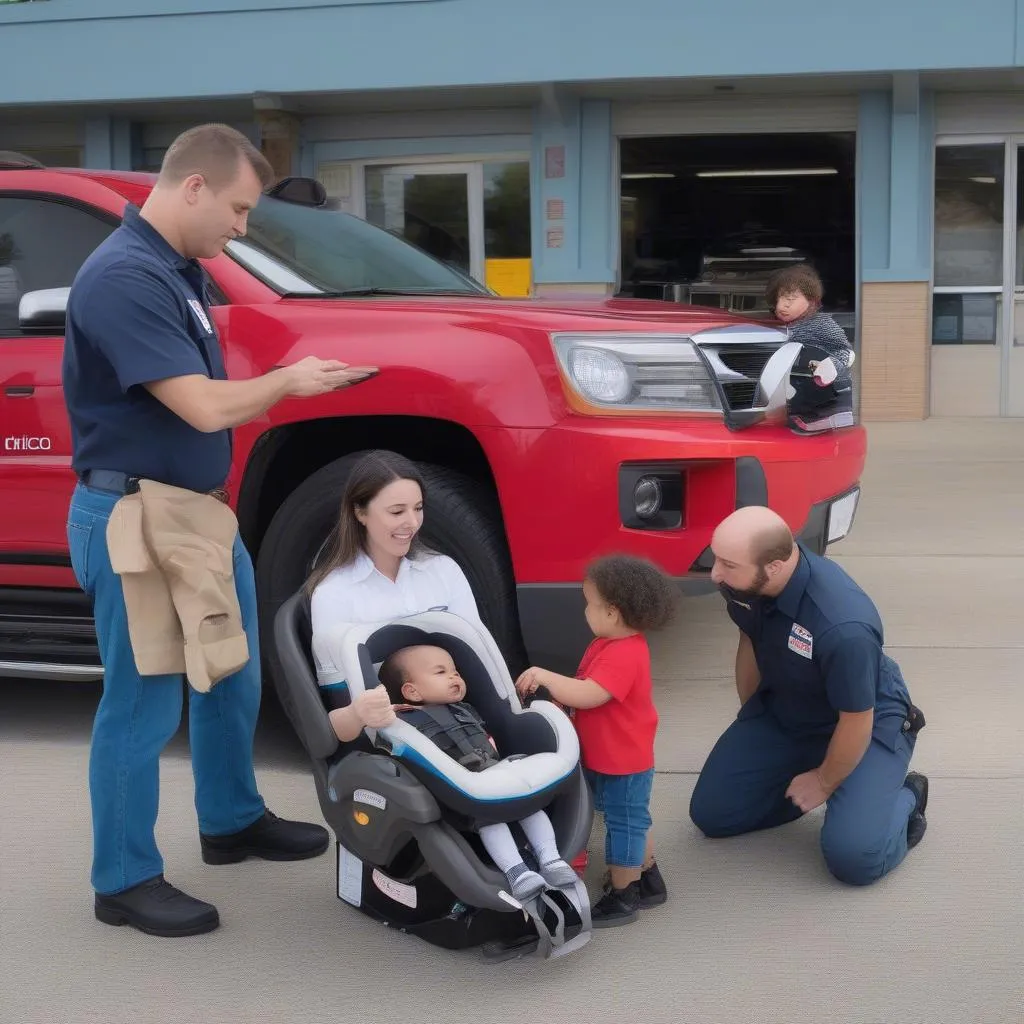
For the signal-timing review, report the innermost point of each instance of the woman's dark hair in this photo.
(645, 597)
(369, 476)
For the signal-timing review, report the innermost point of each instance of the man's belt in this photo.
(114, 482)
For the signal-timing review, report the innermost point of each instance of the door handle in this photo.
(26, 391)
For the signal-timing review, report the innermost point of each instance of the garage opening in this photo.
(706, 219)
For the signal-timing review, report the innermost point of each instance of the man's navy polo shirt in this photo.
(819, 650)
(137, 313)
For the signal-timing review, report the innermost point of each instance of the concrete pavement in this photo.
(756, 930)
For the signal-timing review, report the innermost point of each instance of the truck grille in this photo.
(748, 362)
(740, 396)
(738, 368)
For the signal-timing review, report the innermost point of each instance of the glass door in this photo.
(978, 300)
(1013, 368)
(437, 207)
(967, 300)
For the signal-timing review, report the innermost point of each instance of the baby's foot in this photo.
(559, 874)
(523, 883)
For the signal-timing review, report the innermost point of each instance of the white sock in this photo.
(541, 835)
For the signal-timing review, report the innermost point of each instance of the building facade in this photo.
(663, 149)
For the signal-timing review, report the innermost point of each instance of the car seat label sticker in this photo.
(366, 796)
(398, 891)
(350, 877)
(197, 308)
(801, 641)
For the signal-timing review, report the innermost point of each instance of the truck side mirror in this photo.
(44, 310)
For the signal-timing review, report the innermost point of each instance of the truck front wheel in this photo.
(463, 521)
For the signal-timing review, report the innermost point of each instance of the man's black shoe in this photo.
(157, 908)
(918, 785)
(617, 906)
(270, 838)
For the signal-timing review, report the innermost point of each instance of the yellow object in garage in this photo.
(509, 278)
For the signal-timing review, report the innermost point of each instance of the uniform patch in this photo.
(197, 308)
(800, 641)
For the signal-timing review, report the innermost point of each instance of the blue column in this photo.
(895, 186)
(111, 143)
(574, 195)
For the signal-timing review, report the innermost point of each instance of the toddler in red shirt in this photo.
(616, 720)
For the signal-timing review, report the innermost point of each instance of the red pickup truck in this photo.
(549, 432)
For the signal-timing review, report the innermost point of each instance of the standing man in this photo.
(148, 398)
(825, 715)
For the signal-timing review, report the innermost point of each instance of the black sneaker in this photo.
(269, 837)
(616, 907)
(157, 908)
(652, 888)
(918, 785)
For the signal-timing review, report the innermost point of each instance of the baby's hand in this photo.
(812, 365)
(824, 372)
(374, 708)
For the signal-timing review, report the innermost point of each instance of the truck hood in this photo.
(523, 325)
(545, 314)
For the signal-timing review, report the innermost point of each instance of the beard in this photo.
(751, 593)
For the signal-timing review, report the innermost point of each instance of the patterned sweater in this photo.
(821, 331)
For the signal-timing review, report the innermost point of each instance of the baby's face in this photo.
(431, 676)
(791, 306)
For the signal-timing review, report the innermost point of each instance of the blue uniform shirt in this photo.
(138, 312)
(819, 650)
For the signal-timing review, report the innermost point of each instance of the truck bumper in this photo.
(554, 629)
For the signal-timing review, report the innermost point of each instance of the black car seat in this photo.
(404, 812)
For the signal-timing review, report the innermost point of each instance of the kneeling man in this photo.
(825, 715)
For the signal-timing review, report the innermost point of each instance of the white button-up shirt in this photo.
(360, 592)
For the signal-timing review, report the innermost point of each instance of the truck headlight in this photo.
(639, 371)
(601, 375)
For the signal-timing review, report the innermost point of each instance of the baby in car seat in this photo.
(427, 691)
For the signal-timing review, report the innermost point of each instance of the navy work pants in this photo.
(137, 716)
(742, 788)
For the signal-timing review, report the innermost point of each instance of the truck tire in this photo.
(463, 522)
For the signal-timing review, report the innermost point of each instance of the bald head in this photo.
(754, 550)
(759, 533)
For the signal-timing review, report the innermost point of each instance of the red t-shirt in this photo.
(617, 738)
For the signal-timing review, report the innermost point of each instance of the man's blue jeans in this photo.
(137, 716)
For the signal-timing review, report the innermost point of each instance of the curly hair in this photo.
(645, 597)
(800, 277)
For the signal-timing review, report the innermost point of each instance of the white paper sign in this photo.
(350, 877)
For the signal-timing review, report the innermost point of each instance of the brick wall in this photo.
(894, 351)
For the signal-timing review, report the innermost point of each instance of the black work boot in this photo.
(652, 888)
(270, 838)
(157, 908)
(616, 906)
(918, 785)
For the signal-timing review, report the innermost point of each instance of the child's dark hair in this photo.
(645, 597)
(392, 677)
(801, 277)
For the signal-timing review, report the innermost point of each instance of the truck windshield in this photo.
(316, 252)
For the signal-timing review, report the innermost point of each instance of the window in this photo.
(43, 242)
(968, 244)
(303, 250)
